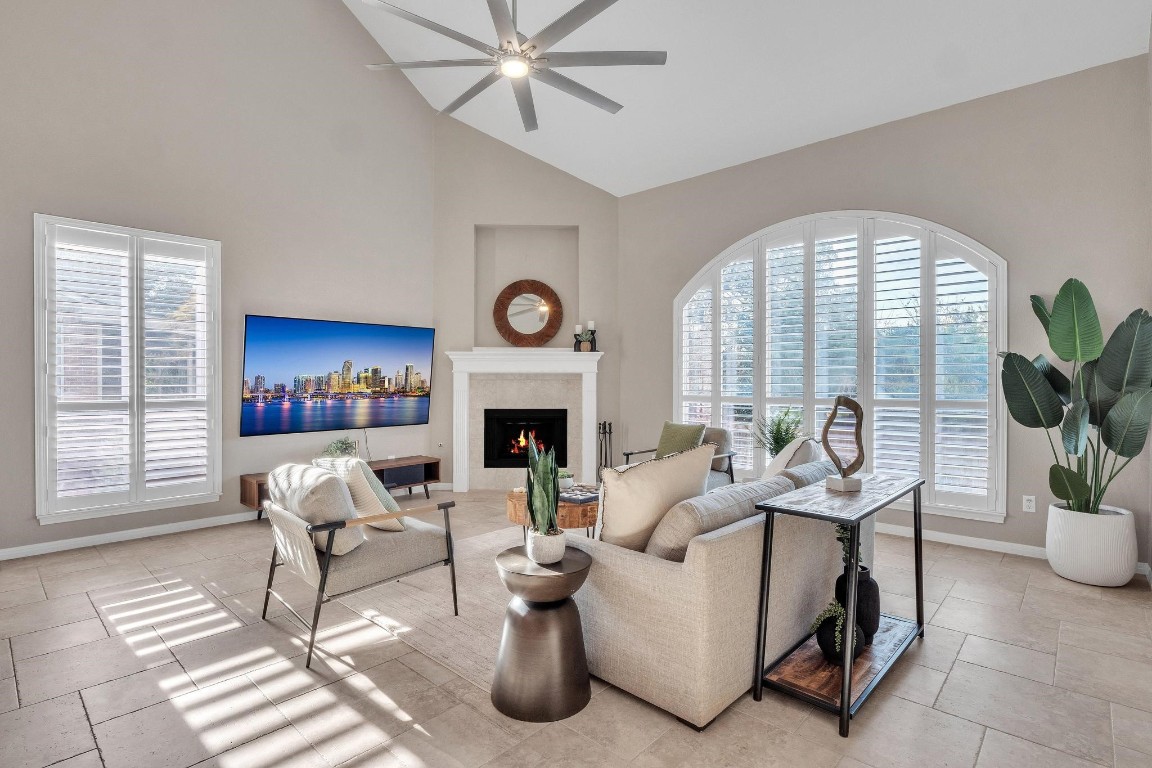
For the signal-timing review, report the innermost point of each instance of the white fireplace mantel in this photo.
(513, 360)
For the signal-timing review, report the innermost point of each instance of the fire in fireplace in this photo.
(508, 431)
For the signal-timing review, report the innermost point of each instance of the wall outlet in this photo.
(1029, 503)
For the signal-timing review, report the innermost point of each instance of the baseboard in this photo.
(992, 545)
(28, 550)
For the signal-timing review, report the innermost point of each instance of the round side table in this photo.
(541, 669)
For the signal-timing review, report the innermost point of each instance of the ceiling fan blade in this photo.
(567, 24)
(459, 37)
(573, 88)
(502, 20)
(606, 58)
(472, 92)
(434, 63)
(523, 91)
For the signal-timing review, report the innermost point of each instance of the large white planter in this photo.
(1092, 549)
(543, 549)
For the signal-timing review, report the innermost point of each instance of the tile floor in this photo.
(151, 653)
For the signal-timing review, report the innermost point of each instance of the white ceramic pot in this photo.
(566, 482)
(1092, 549)
(544, 549)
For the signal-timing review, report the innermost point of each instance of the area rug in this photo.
(418, 608)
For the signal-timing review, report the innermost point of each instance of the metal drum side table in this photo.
(541, 669)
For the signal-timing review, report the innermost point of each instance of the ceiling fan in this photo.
(520, 58)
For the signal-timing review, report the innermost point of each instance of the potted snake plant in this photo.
(545, 542)
(1101, 413)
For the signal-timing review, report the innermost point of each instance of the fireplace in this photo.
(508, 430)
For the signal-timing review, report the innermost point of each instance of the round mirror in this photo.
(527, 313)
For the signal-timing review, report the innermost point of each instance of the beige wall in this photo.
(252, 122)
(481, 182)
(1054, 177)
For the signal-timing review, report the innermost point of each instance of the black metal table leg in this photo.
(918, 536)
(762, 627)
(848, 641)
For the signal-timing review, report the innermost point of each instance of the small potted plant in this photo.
(829, 630)
(545, 542)
(340, 447)
(773, 433)
(1101, 413)
(566, 479)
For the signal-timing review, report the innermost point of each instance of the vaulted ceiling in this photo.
(750, 78)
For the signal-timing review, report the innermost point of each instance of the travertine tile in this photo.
(190, 728)
(1106, 677)
(207, 572)
(458, 737)
(965, 570)
(979, 592)
(22, 596)
(742, 742)
(23, 578)
(785, 712)
(1106, 641)
(72, 669)
(982, 556)
(284, 748)
(898, 582)
(914, 682)
(6, 668)
(47, 613)
(238, 652)
(9, 700)
(556, 745)
(622, 723)
(899, 605)
(136, 691)
(57, 638)
(1132, 728)
(1007, 625)
(191, 628)
(1002, 750)
(435, 672)
(68, 561)
(45, 733)
(937, 649)
(90, 579)
(87, 760)
(481, 701)
(902, 545)
(1128, 758)
(1064, 720)
(1011, 659)
(890, 731)
(135, 605)
(1082, 610)
(1024, 563)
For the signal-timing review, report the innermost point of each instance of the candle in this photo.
(579, 329)
(591, 325)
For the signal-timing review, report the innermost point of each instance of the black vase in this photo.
(867, 602)
(826, 639)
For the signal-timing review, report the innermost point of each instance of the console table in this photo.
(403, 472)
(803, 672)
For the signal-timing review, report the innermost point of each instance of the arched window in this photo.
(902, 314)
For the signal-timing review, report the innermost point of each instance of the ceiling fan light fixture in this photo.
(514, 66)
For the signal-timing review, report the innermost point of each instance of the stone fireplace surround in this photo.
(509, 377)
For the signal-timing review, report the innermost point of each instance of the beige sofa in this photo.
(682, 635)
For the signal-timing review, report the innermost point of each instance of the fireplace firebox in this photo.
(508, 430)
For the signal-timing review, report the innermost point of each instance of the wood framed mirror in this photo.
(528, 313)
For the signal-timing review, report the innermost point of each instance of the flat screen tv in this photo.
(318, 375)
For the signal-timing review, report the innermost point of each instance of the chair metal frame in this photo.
(729, 469)
(322, 597)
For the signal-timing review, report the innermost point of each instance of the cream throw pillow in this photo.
(635, 498)
(369, 495)
(800, 451)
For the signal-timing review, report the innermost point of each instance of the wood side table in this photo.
(568, 515)
(803, 672)
(541, 669)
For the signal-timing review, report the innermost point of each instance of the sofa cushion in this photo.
(316, 496)
(369, 495)
(633, 499)
(812, 472)
(710, 512)
(802, 450)
(675, 438)
(722, 439)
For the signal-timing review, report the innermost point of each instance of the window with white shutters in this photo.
(127, 375)
(902, 314)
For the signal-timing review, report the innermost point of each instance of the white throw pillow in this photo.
(316, 495)
(800, 451)
(634, 499)
(369, 495)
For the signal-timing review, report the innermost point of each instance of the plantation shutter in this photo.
(696, 358)
(126, 388)
(737, 345)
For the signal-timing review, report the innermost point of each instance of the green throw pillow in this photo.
(677, 438)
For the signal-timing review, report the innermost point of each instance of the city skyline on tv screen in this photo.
(316, 375)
